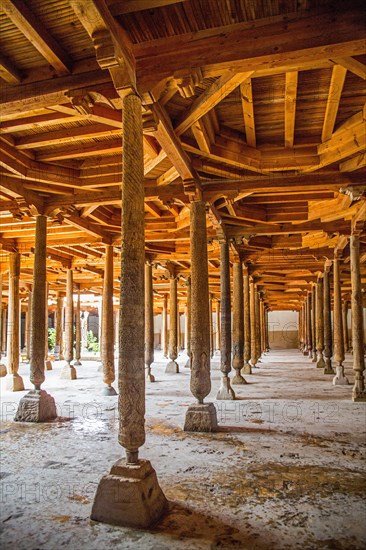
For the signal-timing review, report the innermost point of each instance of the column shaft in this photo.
(188, 322)
(238, 323)
(78, 329)
(247, 369)
(15, 382)
(172, 366)
(327, 324)
(320, 322)
(164, 326)
(253, 347)
(258, 351)
(107, 328)
(59, 310)
(345, 325)
(358, 390)
(339, 378)
(149, 322)
(69, 371)
(313, 323)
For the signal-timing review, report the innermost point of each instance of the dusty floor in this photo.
(285, 471)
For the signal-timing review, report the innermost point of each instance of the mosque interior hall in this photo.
(182, 274)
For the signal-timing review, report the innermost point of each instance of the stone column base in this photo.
(305, 352)
(247, 369)
(359, 392)
(68, 372)
(217, 353)
(314, 358)
(77, 363)
(188, 364)
(3, 371)
(100, 368)
(129, 496)
(340, 379)
(48, 365)
(172, 367)
(225, 392)
(321, 363)
(150, 377)
(201, 418)
(109, 390)
(14, 382)
(36, 406)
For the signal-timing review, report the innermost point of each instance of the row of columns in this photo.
(323, 342)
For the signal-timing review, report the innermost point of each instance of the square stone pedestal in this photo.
(36, 406)
(201, 418)
(129, 496)
(172, 367)
(68, 372)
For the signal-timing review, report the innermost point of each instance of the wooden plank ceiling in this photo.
(263, 104)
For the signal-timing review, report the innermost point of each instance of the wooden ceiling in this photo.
(262, 104)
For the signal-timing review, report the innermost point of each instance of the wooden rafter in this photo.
(334, 97)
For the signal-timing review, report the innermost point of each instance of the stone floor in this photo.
(285, 471)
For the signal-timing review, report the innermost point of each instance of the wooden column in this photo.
(59, 310)
(320, 322)
(130, 495)
(261, 328)
(345, 325)
(309, 343)
(47, 361)
(266, 329)
(107, 329)
(4, 329)
(14, 380)
(253, 347)
(68, 372)
(78, 329)
(313, 324)
(149, 321)
(172, 366)
(28, 324)
(37, 405)
(211, 326)
(247, 369)
(218, 329)
(201, 416)
(358, 390)
(188, 323)
(164, 326)
(225, 391)
(258, 351)
(338, 350)
(305, 325)
(238, 323)
(328, 348)
(178, 328)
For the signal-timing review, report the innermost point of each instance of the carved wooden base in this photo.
(3, 371)
(225, 392)
(247, 369)
(172, 367)
(14, 382)
(340, 379)
(109, 390)
(68, 372)
(201, 418)
(36, 406)
(238, 378)
(129, 496)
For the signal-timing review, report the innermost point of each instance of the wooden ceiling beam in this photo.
(220, 89)
(354, 163)
(120, 7)
(290, 107)
(66, 135)
(334, 97)
(33, 29)
(9, 72)
(246, 93)
(352, 65)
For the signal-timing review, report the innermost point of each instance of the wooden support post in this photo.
(14, 380)
(149, 321)
(327, 322)
(69, 372)
(247, 369)
(172, 366)
(107, 347)
(225, 391)
(340, 378)
(238, 323)
(320, 322)
(358, 390)
(200, 417)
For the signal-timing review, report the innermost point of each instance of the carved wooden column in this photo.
(28, 324)
(149, 321)
(200, 417)
(253, 347)
(305, 326)
(3, 370)
(68, 372)
(238, 323)
(188, 323)
(4, 329)
(37, 405)
(59, 310)
(130, 495)
(247, 369)
(299, 329)
(261, 326)
(320, 322)
(47, 361)
(358, 390)
(78, 329)
(178, 327)
(338, 350)
(164, 326)
(14, 380)
(172, 366)
(258, 351)
(328, 348)
(211, 326)
(107, 347)
(309, 342)
(225, 391)
(218, 329)
(313, 324)
(345, 325)
(266, 332)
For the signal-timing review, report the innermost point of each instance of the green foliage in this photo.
(51, 339)
(92, 341)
